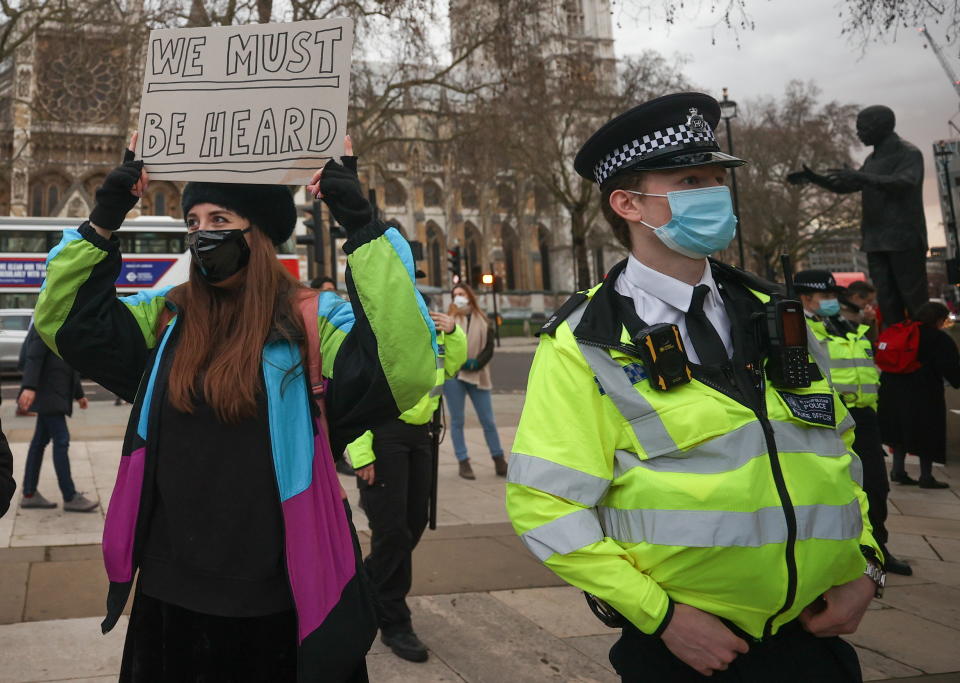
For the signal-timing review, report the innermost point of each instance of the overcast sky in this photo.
(801, 40)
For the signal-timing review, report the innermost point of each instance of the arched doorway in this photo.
(432, 195)
(394, 194)
(436, 249)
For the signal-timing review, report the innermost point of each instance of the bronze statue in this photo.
(894, 228)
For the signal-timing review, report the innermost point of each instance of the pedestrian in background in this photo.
(473, 380)
(7, 485)
(394, 462)
(913, 408)
(858, 304)
(48, 388)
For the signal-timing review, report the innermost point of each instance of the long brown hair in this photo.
(474, 306)
(224, 330)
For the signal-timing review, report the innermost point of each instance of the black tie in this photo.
(706, 341)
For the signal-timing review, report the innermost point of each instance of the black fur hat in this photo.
(269, 207)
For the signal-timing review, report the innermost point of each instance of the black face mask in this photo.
(219, 253)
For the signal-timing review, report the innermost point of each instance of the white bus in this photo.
(153, 248)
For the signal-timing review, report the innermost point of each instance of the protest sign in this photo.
(265, 103)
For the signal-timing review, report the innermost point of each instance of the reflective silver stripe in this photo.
(856, 469)
(634, 408)
(819, 353)
(556, 479)
(734, 449)
(436, 391)
(792, 438)
(851, 363)
(707, 529)
(439, 362)
(846, 423)
(857, 388)
(564, 535)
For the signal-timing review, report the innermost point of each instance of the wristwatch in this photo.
(877, 575)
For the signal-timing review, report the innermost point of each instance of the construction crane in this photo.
(942, 58)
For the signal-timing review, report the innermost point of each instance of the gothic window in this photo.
(505, 197)
(435, 253)
(92, 182)
(46, 192)
(469, 197)
(394, 194)
(80, 78)
(574, 10)
(431, 194)
(542, 199)
(163, 199)
(4, 197)
(511, 249)
(473, 268)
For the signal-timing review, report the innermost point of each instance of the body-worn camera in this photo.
(663, 355)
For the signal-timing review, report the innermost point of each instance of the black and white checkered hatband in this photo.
(674, 136)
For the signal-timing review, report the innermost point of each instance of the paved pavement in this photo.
(487, 609)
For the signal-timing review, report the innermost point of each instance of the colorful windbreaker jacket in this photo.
(379, 359)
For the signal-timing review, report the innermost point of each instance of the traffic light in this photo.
(454, 261)
(313, 221)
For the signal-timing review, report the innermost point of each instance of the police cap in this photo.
(810, 281)
(673, 131)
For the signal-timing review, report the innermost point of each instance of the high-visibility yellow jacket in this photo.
(848, 357)
(451, 354)
(644, 497)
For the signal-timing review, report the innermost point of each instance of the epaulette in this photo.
(750, 280)
(561, 313)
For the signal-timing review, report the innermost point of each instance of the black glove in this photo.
(113, 198)
(341, 191)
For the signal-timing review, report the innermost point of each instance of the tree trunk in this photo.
(264, 11)
(581, 262)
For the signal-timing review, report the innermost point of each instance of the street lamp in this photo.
(728, 110)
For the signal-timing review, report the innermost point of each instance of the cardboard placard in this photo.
(264, 103)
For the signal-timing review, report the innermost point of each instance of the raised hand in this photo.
(338, 185)
(120, 192)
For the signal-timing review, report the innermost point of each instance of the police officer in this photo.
(716, 516)
(846, 352)
(393, 467)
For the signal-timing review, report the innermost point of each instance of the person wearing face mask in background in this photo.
(473, 380)
(858, 304)
(913, 409)
(844, 350)
(226, 508)
(714, 517)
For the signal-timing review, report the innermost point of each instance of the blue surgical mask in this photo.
(702, 223)
(828, 308)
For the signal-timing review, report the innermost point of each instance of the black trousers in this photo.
(396, 506)
(869, 446)
(901, 281)
(791, 656)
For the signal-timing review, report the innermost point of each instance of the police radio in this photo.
(788, 366)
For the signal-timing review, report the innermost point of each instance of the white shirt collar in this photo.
(668, 289)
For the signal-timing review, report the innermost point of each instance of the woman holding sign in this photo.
(226, 500)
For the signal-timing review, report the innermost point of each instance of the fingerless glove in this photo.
(341, 191)
(113, 198)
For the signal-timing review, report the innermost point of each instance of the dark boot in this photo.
(406, 645)
(895, 565)
(902, 478)
(500, 465)
(465, 470)
(931, 483)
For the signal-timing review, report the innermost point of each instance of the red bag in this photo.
(897, 348)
